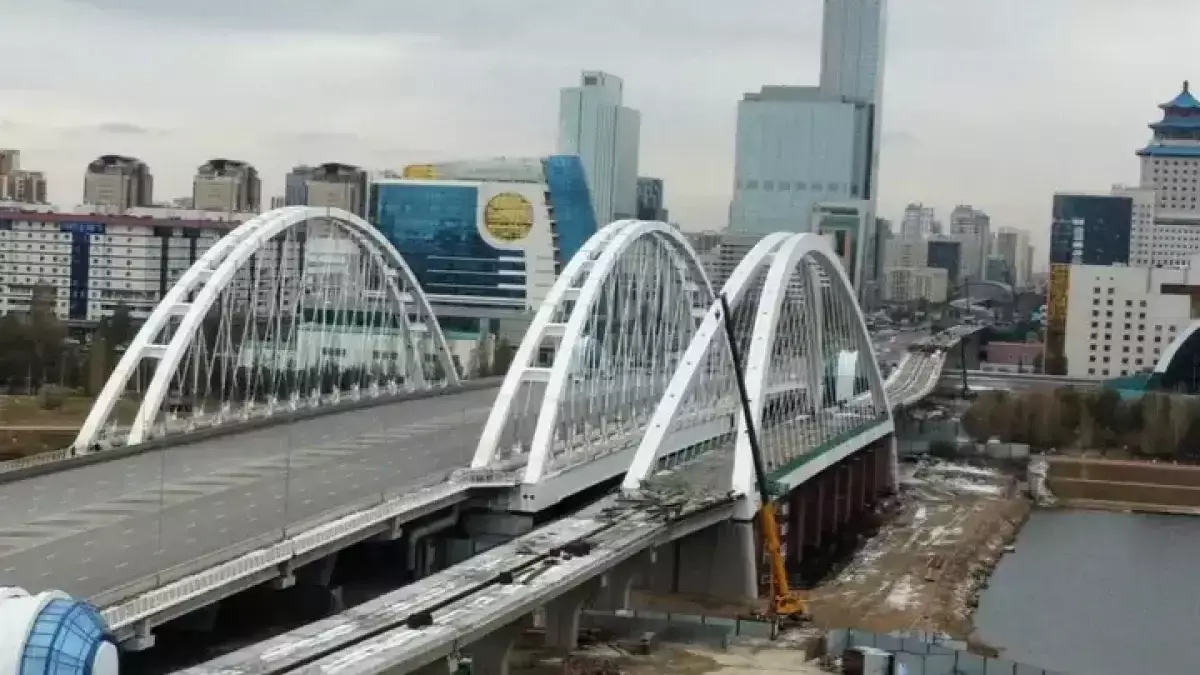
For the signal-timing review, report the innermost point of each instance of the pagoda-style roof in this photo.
(1184, 101)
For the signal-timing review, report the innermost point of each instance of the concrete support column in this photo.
(853, 486)
(863, 469)
(721, 562)
(872, 471)
(490, 655)
(796, 518)
(617, 583)
(829, 500)
(562, 617)
(813, 522)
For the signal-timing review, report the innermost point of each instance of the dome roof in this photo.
(52, 634)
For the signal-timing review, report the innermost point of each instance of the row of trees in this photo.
(1156, 425)
(37, 349)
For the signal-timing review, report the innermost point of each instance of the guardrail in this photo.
(136, 607)
(65, 459)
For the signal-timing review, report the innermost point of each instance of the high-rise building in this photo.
(227, 185)
(973, 228)
(10, 160)
(1090, 229)
(946, 253)
(650, 203)
(907, 284)
(118, 181)
(797, 147)
(342, 186)
(852, 48)
(1146, 248)
(595, 124)
(1012, 245)
(907, 253)
(918, 222)
(1171, 161)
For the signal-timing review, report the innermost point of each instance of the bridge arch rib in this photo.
(598, 353)
(313, 299)
(811, 374)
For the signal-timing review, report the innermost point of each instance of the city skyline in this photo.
(474, 95)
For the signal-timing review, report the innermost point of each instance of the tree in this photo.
(503, 358)
(1038, 362)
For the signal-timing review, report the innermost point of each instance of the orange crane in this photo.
(787, 604)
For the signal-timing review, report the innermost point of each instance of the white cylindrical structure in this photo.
(52, 633)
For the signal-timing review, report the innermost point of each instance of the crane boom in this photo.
(785, 601)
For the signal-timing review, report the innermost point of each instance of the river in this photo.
(1093, 593)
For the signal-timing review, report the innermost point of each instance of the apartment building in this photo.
(227, 185)
(119, 182)
(99, 261)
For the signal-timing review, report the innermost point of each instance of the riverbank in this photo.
(925, 568)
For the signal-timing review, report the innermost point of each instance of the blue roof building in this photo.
(1177, 134)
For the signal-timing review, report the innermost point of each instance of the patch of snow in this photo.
(966, 486)
(920, 515)
(902, 594)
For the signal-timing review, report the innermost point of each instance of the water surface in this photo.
(1096, 593)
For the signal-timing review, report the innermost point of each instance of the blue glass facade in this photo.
(81, 258)
(64, 640)
(1091, 229)
(571, 203)
(435, 228)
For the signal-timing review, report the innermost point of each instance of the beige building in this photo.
(227, 185)
(908, 284)
(117, 181)
(17, 184)
(906, 253)
(335, 185)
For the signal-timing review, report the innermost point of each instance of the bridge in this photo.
(253, 451)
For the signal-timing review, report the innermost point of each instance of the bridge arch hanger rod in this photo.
(739, 284)
(563, 315)
(788, 262)
(188, 301)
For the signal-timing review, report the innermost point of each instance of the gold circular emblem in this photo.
(508, 217)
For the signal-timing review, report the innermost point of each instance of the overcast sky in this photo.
(996, 104)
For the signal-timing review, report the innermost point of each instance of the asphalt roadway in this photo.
(92, 529)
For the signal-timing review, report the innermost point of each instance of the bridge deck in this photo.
(91, 530)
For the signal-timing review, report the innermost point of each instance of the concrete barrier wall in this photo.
(925, 657)
(711, 631)
(1099, 482)
(1124, 471)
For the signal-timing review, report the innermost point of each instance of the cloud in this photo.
(995, 104)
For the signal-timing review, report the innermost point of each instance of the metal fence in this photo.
(928, 655)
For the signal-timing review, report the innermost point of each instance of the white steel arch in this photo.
(567, 320)
(669, 410)
(801, 268)
(179, 315)
(789, 261)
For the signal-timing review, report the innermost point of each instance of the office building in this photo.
(595, 124)
(1146, 248)
(119, 182)
(650, 201)
(1117, 321)
(910, 284)
(798, 146)
(918, 222)
(973, 229)
(720, 252)
(99, 261)
(342, 186)
(1013, 246)
(852, 49)
(486, 248)
(997, 269)
(850, 227)
(946, 253)
(227, 185)
(1090, 229)
(17, 184)
(907, 253)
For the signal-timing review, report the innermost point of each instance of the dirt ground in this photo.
(671, 659)
(924, 570)
(27, 427)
